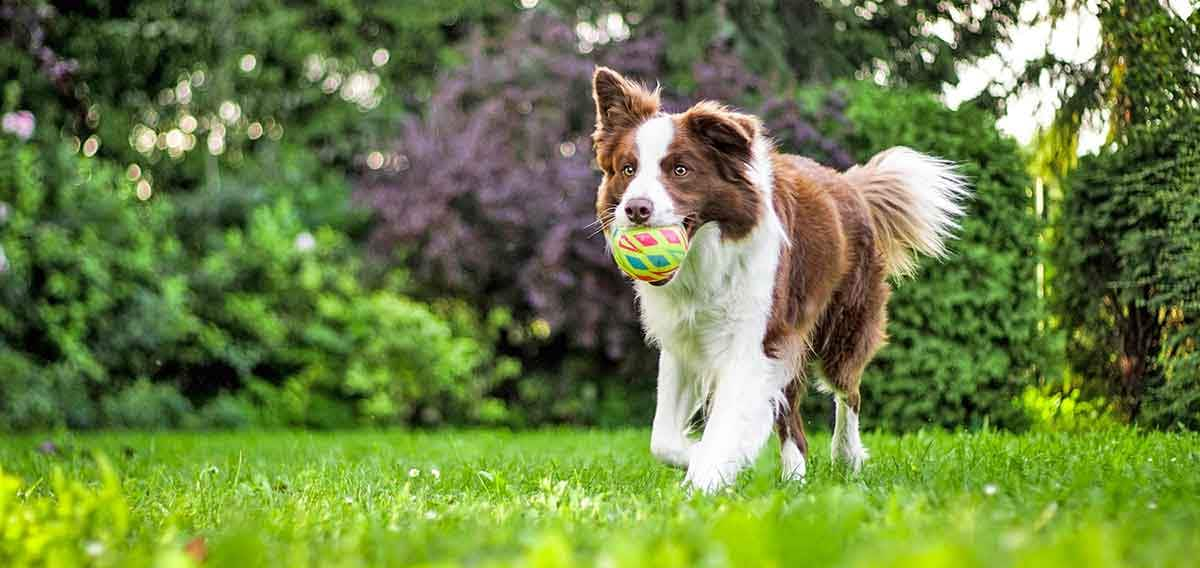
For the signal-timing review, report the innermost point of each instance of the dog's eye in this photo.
(628, 169)
(681, 171)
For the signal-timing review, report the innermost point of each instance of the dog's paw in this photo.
(709, 476)
(853, 456)
(794, 466)
(675, 455)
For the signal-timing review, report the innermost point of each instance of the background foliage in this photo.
(1129, 290)
(814, 41)
(267, 213)
(1144, 71)
(108, 319)
(235, 76)
(87, 302)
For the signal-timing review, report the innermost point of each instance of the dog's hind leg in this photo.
(793, 445)
(856, 337)
(847, 446)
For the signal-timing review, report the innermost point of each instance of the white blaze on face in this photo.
(651, 140)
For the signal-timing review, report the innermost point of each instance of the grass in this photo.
(571, 497)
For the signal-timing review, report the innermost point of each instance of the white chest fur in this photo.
(715, 311)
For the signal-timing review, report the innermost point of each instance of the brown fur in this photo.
(830, 288)
(712, 143)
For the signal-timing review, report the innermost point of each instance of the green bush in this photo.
(145, 405)
(964, 339)
(265, 318)
(229, 412)
(35, 396)
(279, 301)
(1127, 290)
(91, 296)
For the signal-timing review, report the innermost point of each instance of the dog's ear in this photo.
(728, 133)
(620, 103)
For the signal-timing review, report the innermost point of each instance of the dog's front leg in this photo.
(676, 403)
(739, 422)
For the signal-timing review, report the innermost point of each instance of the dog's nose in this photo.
(639, 210)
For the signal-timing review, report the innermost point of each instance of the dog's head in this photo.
(660, 169)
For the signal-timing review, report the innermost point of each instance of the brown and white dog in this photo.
(789, 260)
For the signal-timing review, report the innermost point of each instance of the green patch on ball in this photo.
(649, 254)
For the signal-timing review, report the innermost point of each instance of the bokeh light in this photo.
(91, 146)
(380, 57)
(230, 111)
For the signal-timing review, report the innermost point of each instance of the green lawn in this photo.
(561, 498)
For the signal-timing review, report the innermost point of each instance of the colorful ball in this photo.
(649, 254)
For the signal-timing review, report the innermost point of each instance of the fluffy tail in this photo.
(915, 202)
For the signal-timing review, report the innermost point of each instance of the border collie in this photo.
(788, 263)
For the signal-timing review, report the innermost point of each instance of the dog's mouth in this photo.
(690, 224)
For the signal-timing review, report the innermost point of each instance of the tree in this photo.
(186, 90)
(1144, 73)
(916, 43)
(1123, 221)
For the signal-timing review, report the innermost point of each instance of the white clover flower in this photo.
(414, 472)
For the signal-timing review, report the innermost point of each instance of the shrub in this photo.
(229, 412)
(964, 341)
(1128, 273)
(35, 396)
(289, 306)
(1055, 408)
(146, 406)
(108, 319)
(91, 297)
